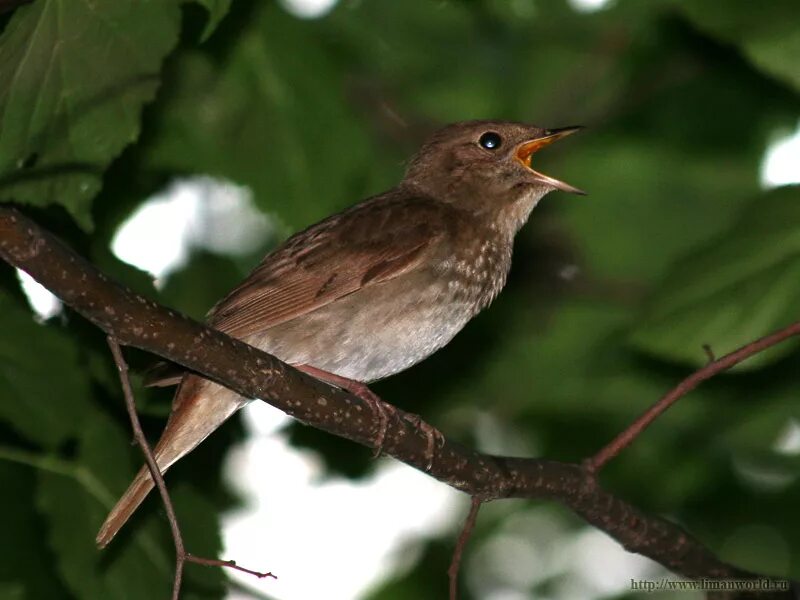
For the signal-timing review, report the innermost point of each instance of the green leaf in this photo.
(26, 563)
(755, 432)
(44, 390)
(75, 499)
(74, 76)
(733, 290)
(202, 535)
(267, 113)
(12, 591)
(766, 32)
(640, 217)
(218, 275)
(217, 9)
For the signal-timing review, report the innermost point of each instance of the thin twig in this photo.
(624, 439)
(181, 556)
(229, 564)
(461, 543)
(152, 465)
(709, 353)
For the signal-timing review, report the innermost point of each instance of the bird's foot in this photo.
(380, 409)
(435, 437)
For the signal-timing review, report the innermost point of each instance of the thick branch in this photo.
(136, 321)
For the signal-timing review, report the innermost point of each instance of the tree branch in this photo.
(139, 322)
(461, 543)
(714, 367)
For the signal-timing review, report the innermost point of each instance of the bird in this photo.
(368, 292)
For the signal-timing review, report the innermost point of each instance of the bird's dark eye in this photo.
(490, 140)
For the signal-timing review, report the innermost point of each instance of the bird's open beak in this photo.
(526, 150)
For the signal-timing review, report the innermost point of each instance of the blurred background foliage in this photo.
(103, 105)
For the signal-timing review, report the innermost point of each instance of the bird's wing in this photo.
(371, 243)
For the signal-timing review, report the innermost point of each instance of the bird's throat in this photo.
(514, 214)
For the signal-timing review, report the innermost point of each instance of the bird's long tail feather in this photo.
(199, 408)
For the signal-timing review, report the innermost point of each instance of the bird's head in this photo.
(485, 166)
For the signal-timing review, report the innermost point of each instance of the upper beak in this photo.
(526, 150)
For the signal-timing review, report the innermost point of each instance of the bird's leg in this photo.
(379, 408)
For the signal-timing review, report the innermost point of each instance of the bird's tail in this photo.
(125, 507)
(200, 406)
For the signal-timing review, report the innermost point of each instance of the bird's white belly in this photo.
(367, 339)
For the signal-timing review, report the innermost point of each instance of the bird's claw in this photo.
(434, 436)
(381, 412)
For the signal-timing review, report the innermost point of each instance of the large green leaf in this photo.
(217, 9)
(766, 32)
(27, 560)
(267, 113)
(74, 76)
(75, 501)
(668, 168)
(139, 562)
(732, 290)
(44, 389)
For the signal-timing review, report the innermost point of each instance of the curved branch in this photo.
(714, 367)
(461, 543)
(136, 321)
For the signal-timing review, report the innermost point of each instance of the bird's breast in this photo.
(385, 328)
(477, 274)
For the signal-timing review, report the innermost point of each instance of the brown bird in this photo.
(375, 289)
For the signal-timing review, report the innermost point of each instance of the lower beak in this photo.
(526, 150)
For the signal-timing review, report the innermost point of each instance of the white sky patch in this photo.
(788, 441)
(601, 567)
(155, 238)
(196, 212)
(588, 6)
(43, 303)
(537, 546)
(309, 9)
(781, 162)
(331, 538)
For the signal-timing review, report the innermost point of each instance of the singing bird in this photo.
(375, 289)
